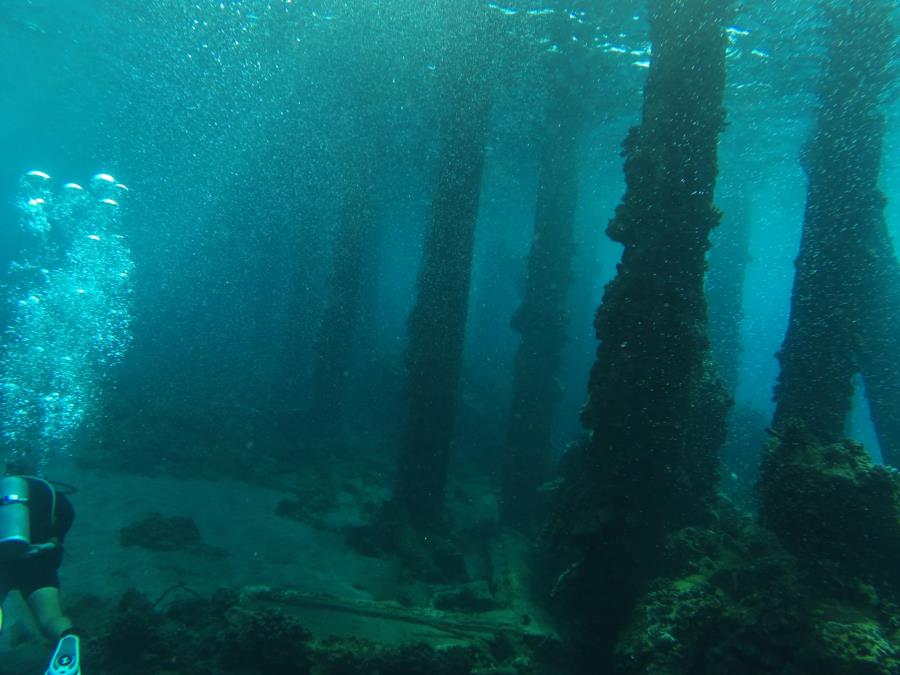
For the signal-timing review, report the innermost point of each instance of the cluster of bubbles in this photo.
(70, 313)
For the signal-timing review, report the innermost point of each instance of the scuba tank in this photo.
(15, 525)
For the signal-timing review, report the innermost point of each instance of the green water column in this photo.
(437, 322)
(845, 306)
(354, 252)
(728, 262)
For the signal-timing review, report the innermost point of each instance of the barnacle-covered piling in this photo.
(541, 318)
(845, 307)
(438, 319)
(656, 408)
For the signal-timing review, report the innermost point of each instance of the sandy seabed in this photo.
(245, 544)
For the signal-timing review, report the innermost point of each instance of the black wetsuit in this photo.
(41, 569)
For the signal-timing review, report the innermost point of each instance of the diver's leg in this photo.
(3, 593)
(47, 610)
(5, 585)
(45, 605)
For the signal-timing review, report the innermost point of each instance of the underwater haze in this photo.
(455, 336)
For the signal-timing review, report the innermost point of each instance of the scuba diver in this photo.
(34, 519)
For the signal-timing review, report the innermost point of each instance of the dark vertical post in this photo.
(864, 44)
(652, 381)
(879, 356)
(656, 405)
(845, 299)
(541, 318)
(438, 320)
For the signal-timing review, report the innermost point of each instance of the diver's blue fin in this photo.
(67, 657)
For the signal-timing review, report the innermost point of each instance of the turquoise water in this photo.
(236, 133)
(228, 120)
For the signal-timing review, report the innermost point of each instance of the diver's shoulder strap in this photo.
(52, 492)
